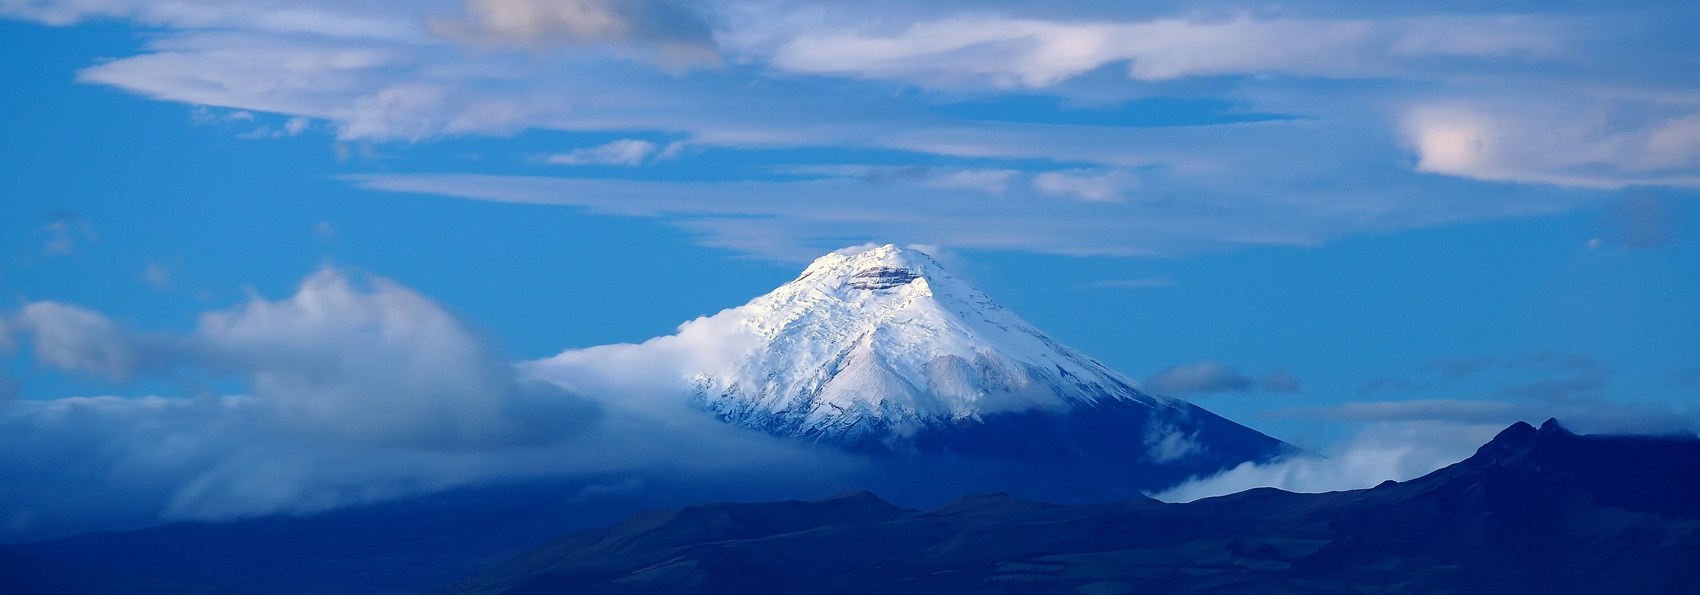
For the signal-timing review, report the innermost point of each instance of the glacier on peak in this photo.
(884, 342)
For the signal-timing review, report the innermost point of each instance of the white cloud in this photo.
(74, 338)
(764, 217)
(157, 274)
(370, 19)
(989, 181)
(656, 372)
(1380, 452)
(1167, 444)
(672, 151)
(1378, 102)
(1199, 377)
(359, 390)
(1037, 53)
(672, 33)
(1207, 377)
(295, 126)
(384, 366)
(1572, 143)
(626, 152)
(1084, 185)
(64, 233)
(530, 20)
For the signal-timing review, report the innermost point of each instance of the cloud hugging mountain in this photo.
(878, 349)
(363, 391)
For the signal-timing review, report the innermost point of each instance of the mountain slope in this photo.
(391, 548)
(1533, 511)
(882, 350)
(885, 341)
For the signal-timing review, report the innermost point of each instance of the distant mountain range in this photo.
(1534, 511)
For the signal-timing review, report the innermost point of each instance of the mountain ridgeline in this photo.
(1534, 511)
(883, 351)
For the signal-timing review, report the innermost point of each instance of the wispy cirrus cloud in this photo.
(627, 152)
(670, 32)
(1000, 210)
(1389, 118)
(1004, 51)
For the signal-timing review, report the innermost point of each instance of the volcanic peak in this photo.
(885, 340)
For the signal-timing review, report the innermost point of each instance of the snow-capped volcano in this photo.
(882, 343)
(881, 351)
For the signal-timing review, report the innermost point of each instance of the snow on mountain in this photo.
(880, 350)
(885, 341)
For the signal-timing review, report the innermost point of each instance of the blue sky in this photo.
(1454, 215)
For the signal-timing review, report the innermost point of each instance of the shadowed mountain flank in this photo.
(1536, 510)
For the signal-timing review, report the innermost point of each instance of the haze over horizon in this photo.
(281, 256)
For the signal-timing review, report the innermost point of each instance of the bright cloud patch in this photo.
(1585, 145)
(1071, 213)
(620, 152)
(669, 32)
(1378, 453)
(1037, 53)
(1508, 94)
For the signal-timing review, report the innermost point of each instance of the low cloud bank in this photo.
(359, 391)
(1404, 439)
(1383, 451)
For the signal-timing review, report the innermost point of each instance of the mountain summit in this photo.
(881, 349)
(883, 343)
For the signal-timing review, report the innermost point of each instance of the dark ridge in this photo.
(1651, 474)
(882, 278)
(1534, 511)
